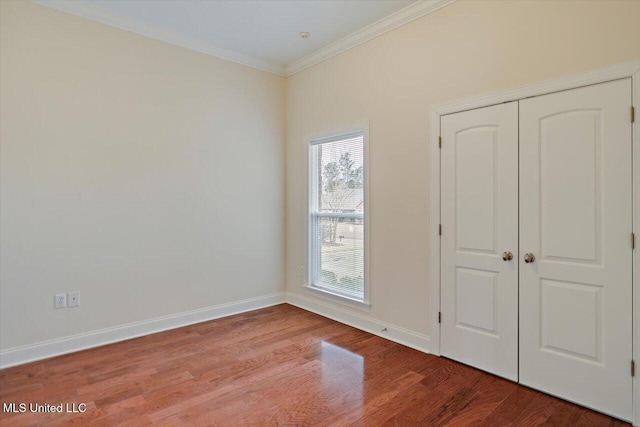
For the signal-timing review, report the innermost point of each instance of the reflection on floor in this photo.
(276, 366)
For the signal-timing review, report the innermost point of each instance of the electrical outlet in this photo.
(74, 299)
(60, 300)
(302, 271)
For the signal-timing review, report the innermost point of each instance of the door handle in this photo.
(529, 257)
(507, 256)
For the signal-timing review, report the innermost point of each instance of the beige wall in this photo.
(463, 50)
(152, 178)
(146, 176)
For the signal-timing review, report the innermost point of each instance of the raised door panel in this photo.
(570, 184)
(476, 300)
(475, 192)
(577, 333)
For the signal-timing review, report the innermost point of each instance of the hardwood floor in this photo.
(276, 366)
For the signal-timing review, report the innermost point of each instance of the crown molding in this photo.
(94, 12)
(397, 19)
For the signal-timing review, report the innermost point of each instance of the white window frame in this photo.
(312, 214)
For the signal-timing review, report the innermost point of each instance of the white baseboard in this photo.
(44, 350)
(47, 349)
(394, 333)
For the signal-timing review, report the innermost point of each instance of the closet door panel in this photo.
(479, 218)
(575, 218)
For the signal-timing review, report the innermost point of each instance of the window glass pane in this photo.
(340, 256)
(341, 176)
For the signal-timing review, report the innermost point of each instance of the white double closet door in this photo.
(536, 256)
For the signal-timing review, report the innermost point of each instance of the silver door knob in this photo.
(529, 257)
(507, 256)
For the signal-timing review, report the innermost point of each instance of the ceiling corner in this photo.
(401, 17)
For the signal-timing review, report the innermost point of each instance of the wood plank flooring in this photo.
(276, 366)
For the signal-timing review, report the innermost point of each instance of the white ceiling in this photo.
(260, 33)
(267, 30)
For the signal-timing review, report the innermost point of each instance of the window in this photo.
(337, 215)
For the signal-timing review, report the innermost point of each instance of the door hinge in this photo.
(439, 142)
(633, 368)
(439, 317)
(633, 114)
(439, 229)
(633, 240)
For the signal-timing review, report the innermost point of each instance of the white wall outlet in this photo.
(60, 300)
(302, 271)
(74, 299)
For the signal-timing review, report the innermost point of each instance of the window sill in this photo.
(337, 298)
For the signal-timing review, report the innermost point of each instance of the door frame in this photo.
(625, 70)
